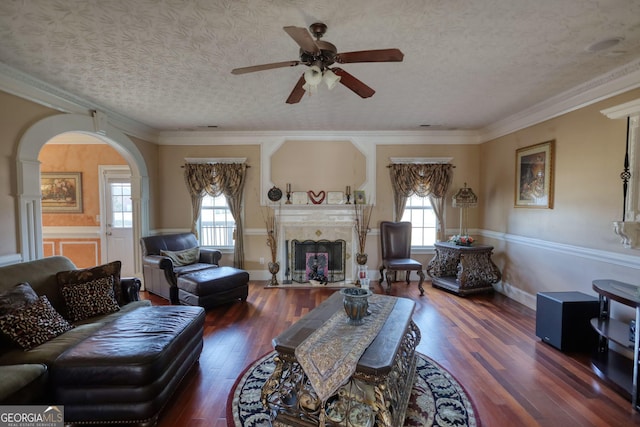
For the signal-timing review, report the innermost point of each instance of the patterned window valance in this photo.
(423, 179)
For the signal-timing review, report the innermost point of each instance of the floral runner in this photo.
(329, 356)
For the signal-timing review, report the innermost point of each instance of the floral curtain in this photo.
(426, 180)
(215, 179)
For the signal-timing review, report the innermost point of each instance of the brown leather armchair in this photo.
(395, 243)
(161, 272)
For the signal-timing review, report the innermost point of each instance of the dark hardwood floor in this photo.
(487, 342)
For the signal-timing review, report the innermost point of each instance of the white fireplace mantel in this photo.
(317, 222)
(322, 214)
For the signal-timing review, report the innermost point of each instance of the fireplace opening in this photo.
(320, 260)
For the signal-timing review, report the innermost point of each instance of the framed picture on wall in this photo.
(61, 192)
(359, 197)
(534, 176)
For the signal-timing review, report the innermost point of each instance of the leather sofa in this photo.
(176, 268)
(119, 367)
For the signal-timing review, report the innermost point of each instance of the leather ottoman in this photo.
(213, 286)
(127, 371)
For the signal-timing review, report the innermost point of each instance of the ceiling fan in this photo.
(319, 55)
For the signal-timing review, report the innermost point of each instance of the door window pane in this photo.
(121, 206)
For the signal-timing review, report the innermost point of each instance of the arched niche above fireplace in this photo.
(319, 165)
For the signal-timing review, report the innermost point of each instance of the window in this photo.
(216, 222)
(121, 206)
(423, 220)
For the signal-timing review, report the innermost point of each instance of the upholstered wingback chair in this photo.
(395, 244)
(167, 256)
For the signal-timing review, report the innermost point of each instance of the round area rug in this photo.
(437, 398)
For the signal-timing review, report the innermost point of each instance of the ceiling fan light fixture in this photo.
(312, 89)
(313, 76)
(331, 79)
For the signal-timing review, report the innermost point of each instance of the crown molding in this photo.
(214, 137)
(28, 87)
(620, 80)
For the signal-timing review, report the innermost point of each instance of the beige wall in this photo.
(83, 158)
(175, 204)
(589, 154)
(307, 165)
(533, 247)
(150, 154)
(465, 160)
(18, 115)
(318, 166)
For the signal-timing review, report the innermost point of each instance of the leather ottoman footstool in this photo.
(127, 371)
(213, 286)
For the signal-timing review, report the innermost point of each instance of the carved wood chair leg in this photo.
(408, 276)
(389, 281)
(421, 274)
(381, 274)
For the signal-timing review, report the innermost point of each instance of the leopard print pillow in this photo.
(88, 299)
(33, 324)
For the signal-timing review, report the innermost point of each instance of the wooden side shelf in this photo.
(618, 370)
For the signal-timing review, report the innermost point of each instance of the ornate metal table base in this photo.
(363, 400)
(463, 269)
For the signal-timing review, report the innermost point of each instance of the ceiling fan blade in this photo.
(378, 55)
(303, 38)
(297, 93)
(354, 84)
(253, 68)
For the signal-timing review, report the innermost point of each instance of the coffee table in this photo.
(378, 392)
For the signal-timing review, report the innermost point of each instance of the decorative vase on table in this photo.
(356, 304)
(274, 267)
(361, 258)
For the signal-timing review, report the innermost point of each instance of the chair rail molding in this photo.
(628, 228)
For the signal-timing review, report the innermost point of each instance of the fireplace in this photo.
(320, 260)
(317, 223)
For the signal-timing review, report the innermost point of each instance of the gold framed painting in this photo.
(534, 176)
(61, 192)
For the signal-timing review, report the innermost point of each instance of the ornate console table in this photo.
(463, 269)
(376, 394)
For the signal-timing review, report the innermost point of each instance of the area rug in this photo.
(437, 398)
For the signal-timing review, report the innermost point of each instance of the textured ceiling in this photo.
(167, 63)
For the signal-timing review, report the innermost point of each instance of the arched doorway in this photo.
(28, 166)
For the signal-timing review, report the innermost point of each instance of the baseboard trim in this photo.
(516, 294)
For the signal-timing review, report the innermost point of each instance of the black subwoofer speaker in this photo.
(563, 320)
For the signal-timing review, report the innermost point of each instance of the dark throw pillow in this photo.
(33, 324)
(88, 274)
(20, 295)
(185, 257)
(88, 299)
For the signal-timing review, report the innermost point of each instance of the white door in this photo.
(118, 219)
